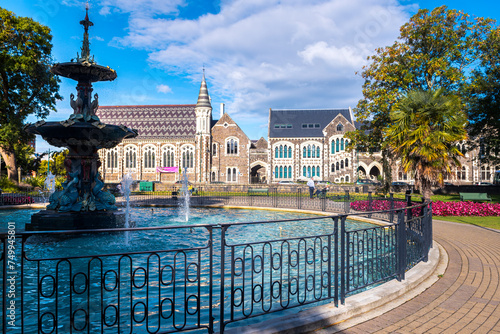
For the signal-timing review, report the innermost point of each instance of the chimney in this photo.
(222, 111)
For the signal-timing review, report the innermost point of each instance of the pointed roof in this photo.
(203, 97)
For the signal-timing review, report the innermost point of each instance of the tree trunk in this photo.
(426, 189)
(10, 161)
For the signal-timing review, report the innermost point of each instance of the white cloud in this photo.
(263, 54)
(163, 89)
(140, 7)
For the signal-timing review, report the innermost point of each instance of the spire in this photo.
(85, 56)
(203, 97)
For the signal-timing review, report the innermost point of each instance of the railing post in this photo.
(346, 201)
(401, 246)
(391, 214)
(336, 260)
(425, 232)
(344, 274)
(299, 197)
(370, 203)
(408, 204)
(222, 273)
(430, 224)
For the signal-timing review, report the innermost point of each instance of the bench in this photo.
(257, 191)
(474, 197)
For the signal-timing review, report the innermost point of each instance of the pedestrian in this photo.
(311, 186)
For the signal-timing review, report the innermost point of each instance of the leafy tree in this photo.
(56, 164)
(27, 87)
(484, 112)
(425, 126)
(435, 49)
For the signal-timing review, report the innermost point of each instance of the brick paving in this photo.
(465, 300)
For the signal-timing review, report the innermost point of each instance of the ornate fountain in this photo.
(82, 203)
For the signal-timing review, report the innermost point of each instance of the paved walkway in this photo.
(465, 300)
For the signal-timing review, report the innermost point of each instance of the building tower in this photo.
(203, 112)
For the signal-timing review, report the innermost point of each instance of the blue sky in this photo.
(258, 54)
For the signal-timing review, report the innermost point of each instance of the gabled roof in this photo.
(152, 122)
(289, 123)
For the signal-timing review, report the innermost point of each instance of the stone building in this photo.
(311, 143)
(301, 143)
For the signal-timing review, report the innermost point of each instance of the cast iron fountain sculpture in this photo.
(82, 203)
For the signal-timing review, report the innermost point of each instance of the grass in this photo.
(489, 222)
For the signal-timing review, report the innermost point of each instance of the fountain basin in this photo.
(51, 220)
(84, 71)
(82, 134)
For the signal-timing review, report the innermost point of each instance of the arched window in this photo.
(333, 146)
(337, 145)
(228, 178)
(130, 157)
(346, 143)
(340, 127)
(276, 152)
(276, 172)
(214, 150)
(317, 171)
(313, 171)
(333, 168)
(308, 151)
(317, 152)
(232, 146)
(346, 162)
(341, 164)
(149, 157)
(304, 152)
(289, 172)
(464, 149)
(234, 174)
(347, 178)
(341, 180)
(337, 165)
(314, 151)
(281, 151)
(309, 171)
(289, 151)
(281, 172)
(187, 156)
(342, 144)
(113, 158)
(304, 172)
(168, 156)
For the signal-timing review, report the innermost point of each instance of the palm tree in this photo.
(426, 125)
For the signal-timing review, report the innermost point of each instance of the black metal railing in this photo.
(217, 280)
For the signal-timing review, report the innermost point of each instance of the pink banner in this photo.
(167, 169)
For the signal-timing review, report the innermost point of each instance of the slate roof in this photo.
(153, 122)
(290, 121)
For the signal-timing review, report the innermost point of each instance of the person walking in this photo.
(311, 186)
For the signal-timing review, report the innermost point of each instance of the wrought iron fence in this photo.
(217, 280)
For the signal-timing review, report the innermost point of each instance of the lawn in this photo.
(490, 222)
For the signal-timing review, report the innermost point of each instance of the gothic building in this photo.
(301, 144)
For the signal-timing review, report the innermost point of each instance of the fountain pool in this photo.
(99, 282)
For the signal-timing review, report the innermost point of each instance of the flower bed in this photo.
(380, 205)
(465, 209)
(15, 199)
(439, 208)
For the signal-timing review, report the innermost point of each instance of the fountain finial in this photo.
(85, 57)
